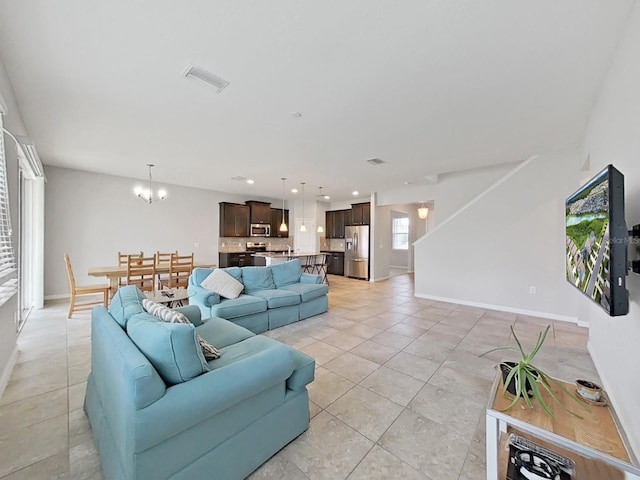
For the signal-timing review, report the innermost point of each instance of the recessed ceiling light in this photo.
(294, 190)
(296, 114)
(250, 182)
(355, 192)
(407, 183)
(327, 197)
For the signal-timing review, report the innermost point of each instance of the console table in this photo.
(594, 442)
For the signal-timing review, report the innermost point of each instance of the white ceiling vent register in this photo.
(375, 161)
(194, 71)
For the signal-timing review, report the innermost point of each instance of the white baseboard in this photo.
(402, 267)
(379, 279)
(501, 308)
(8, 369)
(612, 399)
(61, 296)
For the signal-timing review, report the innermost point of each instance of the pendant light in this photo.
(423, 211)
(147, 194)
(283, 226)
(303, 227)
(320, 229)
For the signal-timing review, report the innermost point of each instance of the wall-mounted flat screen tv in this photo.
(597, 239)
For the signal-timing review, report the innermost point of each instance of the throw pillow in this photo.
(286, 273)
(172, 348)
(172, 316)
(257, 278)
(223, 284)
(126, 303)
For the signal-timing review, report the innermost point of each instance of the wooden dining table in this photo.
(116, 272)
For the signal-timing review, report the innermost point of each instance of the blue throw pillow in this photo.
(256, 279)
(286, 273)
(235, 272)
(125, 303)
(172, 348)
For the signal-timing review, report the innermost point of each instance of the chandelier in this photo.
(147, 194)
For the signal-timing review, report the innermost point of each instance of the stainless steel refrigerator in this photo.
(356, 253)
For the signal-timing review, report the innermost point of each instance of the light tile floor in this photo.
(399, 392)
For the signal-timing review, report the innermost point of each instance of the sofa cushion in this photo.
(172, 348)
(235, 272)
(239, 307)
(125, 303)
(222, 332)
(308, 291)
(286, 273)
(256, 279)
(166, 314)
(198, 275)
(278, 298)
(223, 284)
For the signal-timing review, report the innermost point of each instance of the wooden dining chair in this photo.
(164, 258)
(180, 268)
(123, 259)
(84, 290)
(141, 272)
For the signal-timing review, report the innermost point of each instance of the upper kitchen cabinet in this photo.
(276, 220)
(335, 220)
(234, 220)
(360, 213)
(260, 212)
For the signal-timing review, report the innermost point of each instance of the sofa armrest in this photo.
(203, 296)
(192, 402)
(193, 313)
(310, 278)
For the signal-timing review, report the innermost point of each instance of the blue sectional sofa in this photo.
(223, 423)
(272, 297)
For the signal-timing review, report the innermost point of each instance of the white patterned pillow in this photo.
(223, 284)
(173, 316)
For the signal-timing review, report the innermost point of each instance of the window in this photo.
(8, 278)
(400, 233)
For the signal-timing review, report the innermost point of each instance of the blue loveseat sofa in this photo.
(222, 424)
(272, 297)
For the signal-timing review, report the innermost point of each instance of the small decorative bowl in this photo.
(589, 390)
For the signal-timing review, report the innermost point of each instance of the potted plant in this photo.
(524, 380)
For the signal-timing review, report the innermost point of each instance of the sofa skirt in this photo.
(281, 316)
(313, 307)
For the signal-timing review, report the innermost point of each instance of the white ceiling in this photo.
(429, 86)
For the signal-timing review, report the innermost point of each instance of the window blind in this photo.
(400, 233)
(8, 272)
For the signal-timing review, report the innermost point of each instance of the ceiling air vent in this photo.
(207, 77)
(239, 178)
(375, 161)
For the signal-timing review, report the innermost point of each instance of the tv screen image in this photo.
(596, 241)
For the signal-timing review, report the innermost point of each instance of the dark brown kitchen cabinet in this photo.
(276, 220)
(335, 263)
(360, 214)
(234, 220)
(259, 212)
(335, 220)
(235, 259)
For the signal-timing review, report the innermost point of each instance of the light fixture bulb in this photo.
(303, 228)
(283, 226)
(320, 229)
(423, 212)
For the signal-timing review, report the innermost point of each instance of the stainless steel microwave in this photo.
(260, 230)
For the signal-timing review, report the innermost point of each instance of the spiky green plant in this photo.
(524, 372)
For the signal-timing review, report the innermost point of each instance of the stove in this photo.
(529, 461)
(256, 246)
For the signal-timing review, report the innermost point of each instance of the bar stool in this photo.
(320, 267)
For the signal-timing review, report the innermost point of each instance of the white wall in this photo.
(93, 216)
(508, 239)
(12, 122)
(613, 136)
